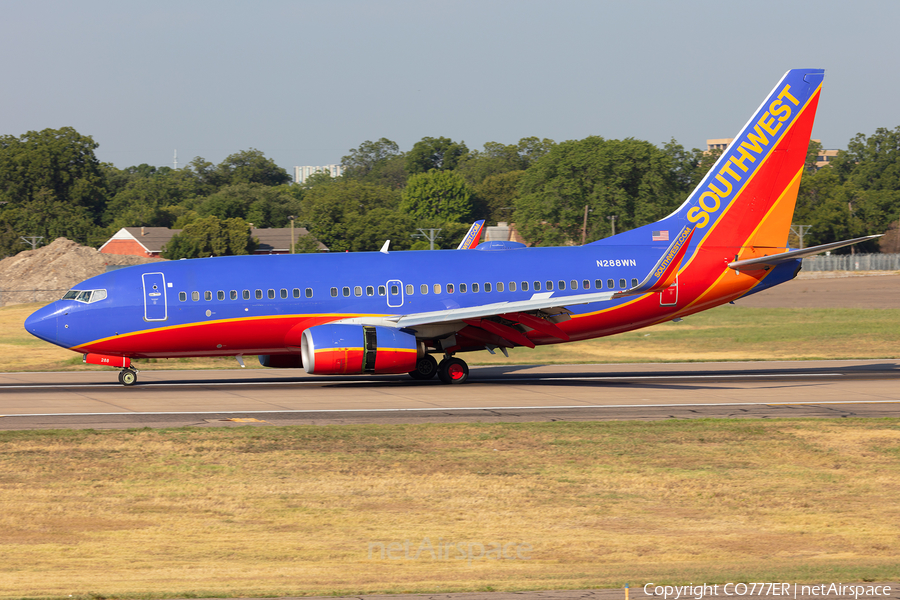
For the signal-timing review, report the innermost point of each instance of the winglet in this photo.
(664, 272)
(472, 237)
(384, 249)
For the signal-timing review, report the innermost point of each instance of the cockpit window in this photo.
(86, 296)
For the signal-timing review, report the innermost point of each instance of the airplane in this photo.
(394, 312)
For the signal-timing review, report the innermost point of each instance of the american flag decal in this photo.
(660, 236)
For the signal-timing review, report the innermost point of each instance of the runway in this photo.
(869, 388)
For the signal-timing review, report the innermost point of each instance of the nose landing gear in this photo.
(128, 376)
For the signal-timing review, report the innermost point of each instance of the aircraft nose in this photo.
(43, 324)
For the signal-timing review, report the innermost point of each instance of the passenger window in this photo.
(259, 294)
(549, 286)
(382, 291)
(598, 283)
(610, 283)
(271, 294)
(562, 284)
(512, 286)
(295, 292)
(499, 286)
(357, 290)
(182, 296)
(449, 288)
(395, 290)
(437, 288)
(345, 291)
(487, 286)
(284, 293)
(409, 289)
(573, 284)
(622, 284)
(309, 292)
(474, 288)
(233, 294)
(195, 296)
(423, 289)
(334, 292)
(370, 291)
(524, 286)
(245, 294)
(537, 286)
(585, 284)
(463, 288)
(634, 282)
(207, 295)
(220, 295)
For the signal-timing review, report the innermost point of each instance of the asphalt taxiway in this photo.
(163, 398)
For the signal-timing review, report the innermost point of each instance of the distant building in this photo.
(821, 160)
(301, 173)
(149, 241)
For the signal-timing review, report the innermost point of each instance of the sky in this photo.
(305, 81)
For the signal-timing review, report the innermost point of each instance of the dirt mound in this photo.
(44, 274)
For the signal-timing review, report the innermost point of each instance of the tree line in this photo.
(52, 185)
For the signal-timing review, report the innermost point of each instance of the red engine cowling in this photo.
(338, 349)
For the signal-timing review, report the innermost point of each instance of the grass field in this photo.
(724, 333)
(261, 510)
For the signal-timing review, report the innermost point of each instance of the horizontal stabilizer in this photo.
(764, 262)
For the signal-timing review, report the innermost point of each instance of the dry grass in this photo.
(262, 510)
(724, 333)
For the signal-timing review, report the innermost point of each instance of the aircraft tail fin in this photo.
(746, 201)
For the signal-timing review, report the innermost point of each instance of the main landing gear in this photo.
(128, 376)
(450, 370)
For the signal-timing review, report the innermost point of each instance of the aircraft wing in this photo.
(484, 317)
(539, 301)
(763, 262)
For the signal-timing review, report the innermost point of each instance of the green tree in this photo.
(630, 179)
(437, 195)
(211, 236)
(340, 213)
(264, 206)
(151, 200)
(51, 184)
(496, 158)
(442, 154)
(379, 162)
(497, 196)
(251, 166)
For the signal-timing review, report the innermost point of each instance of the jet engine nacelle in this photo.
(337, 349)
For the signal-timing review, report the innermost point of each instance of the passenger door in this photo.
(155, 308)
(395, 293)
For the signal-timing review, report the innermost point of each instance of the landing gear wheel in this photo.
(426, 368)
(453, 371)
(127, 377)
